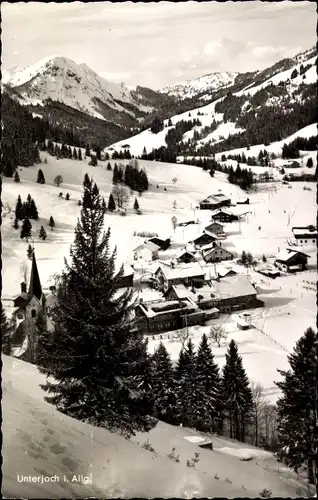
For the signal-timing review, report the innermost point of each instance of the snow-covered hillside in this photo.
(301, 72)
(70, 459)
(201, 85)
(76, 85)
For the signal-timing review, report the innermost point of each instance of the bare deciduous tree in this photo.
(182, 336)
(174, 180)
(259, 405)
(24, 271)
(7, 209)
(174, 204)
(121, 195)
(217, 334)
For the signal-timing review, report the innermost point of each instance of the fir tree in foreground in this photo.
(186, 389)
(6, 332)
(297, 408)
(237, 394)
(163, 386)
(16, 177)
(209, 382)
(97, 362)
(136, 205)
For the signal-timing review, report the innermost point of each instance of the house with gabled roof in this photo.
(147, 251)
(217, 254)
(224, 215)
(305, 235)
(215, 201)
(291, 260)
(185, 256)
(215, 227)
(203, 239)
(174, 274)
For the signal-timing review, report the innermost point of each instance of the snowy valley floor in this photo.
(39, 441)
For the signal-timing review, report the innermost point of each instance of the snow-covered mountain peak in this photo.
(206, 83)
(76, 85)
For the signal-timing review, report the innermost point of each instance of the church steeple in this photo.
(35, 283)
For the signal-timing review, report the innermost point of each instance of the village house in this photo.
(224, 215)
(215, 228)
(174, 274)
(204, 297)
(164, 315)
(162, 244)
(235, 293)
(216, 254)
(205, 238)
(306, 235)
(291, 260)
(185, 257)
(214, 201)
(146, 251)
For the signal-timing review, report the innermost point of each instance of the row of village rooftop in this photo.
(190, 292)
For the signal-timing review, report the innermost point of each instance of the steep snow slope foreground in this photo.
(76, 85)
(49, 455)
(206, 83)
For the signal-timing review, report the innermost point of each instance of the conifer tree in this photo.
(74, 154)
(86, 181)
(98, 363)
(87, 151)
(30, 252)
(67, 196)
(186, 390)
(237, 393)
(26, 229)
(51, 223)
(16, 224)
(163, 386)
(79, 155)
(115, 174)
(19, 212)
(17, 177)
(209, 384)
(310, 162)
(136, 205)
(111, 203)
(109, 167)
(42, 233)
(297, 407)
(40, 178)
(6, 333)
(33, 211)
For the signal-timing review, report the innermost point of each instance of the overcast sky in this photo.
(157, 44)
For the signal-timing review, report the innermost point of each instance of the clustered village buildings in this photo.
(188, 295)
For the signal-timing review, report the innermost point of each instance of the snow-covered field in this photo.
(290, 309)
(51, 447)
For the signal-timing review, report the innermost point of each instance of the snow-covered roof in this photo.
(184, 251)
(210, 233)
(181, 271)
(216, 198)
(304, 231)
(234, 286)
(222, 210)
(286, 254)
(157, 307)
(149, 245)
(215, 223)
(206, 292)
(207, 251)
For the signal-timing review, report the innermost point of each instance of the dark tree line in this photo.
(26, 209)
(121, 155)
(132, 175)
(240, 176)
(63, 151)
(174, 135)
